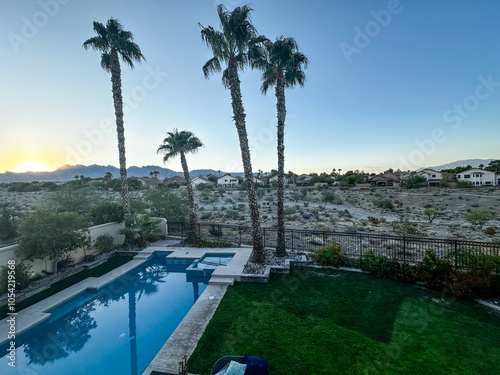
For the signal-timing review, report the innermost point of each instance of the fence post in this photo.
(456, 254)
(360, 250)
(291, 230)
(404, 249)
(199, 230)
(239, 230)
(264, 236)
(218, 234)
(182, 230)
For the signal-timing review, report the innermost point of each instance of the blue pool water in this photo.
(118, 330)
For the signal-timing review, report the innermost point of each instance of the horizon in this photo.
(381, 90)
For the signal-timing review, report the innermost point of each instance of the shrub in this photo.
(490, 230)
(106, 212)
(201, 243)
(22, 277)
(388, 268)
(104, 243)
(435, 273)
(414, 182)
(478, 217)
(331, 255)
(383, 204)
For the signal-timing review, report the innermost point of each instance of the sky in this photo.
(390, 84)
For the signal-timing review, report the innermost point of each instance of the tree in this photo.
(112, 41)
(168, 204)
(494, 166)
(179, 144)
(140, 229)
(67, 199)
(237, 45)
(45, 233)
(328, 197)
(478, 217)
(108, 176)
(7, 227)
(414, 182)
(106, 212)
(282, 68)
(431, 214)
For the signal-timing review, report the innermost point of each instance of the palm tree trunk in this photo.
(192, 213)
(116, 83)
(281, 109)
(239, 120)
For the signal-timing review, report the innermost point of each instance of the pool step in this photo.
(217, 280)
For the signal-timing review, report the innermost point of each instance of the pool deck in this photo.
(184, 339)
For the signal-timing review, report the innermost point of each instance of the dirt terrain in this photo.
(353, 209)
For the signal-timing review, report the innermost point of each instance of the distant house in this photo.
(227, 181)
(200, 180)
(433, 177)
(303, 180)
(274, 180)
(479, 177)
(178, 180)
(385, 179)
(150, 182)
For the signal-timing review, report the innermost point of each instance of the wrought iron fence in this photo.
(403, 248)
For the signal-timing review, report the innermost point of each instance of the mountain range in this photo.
(68, 172)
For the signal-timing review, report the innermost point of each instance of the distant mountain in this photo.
(68, 173)
(474, 163)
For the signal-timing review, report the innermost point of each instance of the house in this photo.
(433, 177)
(274, 180)
(385, 179)
(479, 177)
(177, 180)
(303, 180)
(227, 181)
(200, 180)
(150, 182)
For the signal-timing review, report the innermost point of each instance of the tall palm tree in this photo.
(179, 144)
(237, 45)
(112, 42)
(282, 68)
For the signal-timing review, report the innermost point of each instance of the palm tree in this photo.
(179, 144)
(112, 41)
(237, 45)
(282, 68)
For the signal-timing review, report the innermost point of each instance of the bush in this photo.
(104, 243)
(388, 268)
(201, 243)
(106, 212)
(414, 182)
(478, 217)
(490, 231)
(331, 255)
(435, 273)
(22, 277)
(383, 204)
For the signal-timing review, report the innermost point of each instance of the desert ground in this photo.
(351, 209)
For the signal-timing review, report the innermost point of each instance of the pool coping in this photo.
(36, 314)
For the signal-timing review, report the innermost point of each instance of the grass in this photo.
(335, 322)
(110, 264)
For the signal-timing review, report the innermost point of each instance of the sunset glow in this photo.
(32, 166)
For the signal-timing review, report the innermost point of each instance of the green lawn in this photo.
(335, 322)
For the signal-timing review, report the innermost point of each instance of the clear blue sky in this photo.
(400, 84)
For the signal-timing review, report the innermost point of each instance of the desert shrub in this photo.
(106, 212)
(373, 220)
(405, 226)
(289, 210)
(22, 276)
(435, 273)
(331, 255)
(414, 182)
(201, 243)
(478, 217)
(232, 214)
(383, 204)
(465, 184)
(215, 231)
(104, 243)
(490, 230)
(388, 268)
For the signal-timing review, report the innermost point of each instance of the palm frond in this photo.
(211, 66)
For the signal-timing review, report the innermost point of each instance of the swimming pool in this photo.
(117, 330)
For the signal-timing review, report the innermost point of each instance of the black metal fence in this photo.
(407, 249)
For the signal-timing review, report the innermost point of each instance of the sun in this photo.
(32, 166)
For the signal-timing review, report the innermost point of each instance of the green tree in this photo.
(478, 217)
(494, 166)
(414, 182)
(112, 42)
(168, 204)
(328, 197)
(237, 45)
(431, 214)
(46, 233)
(106, 212)
(179, 144)
(7, 227)
(70, 199)
(282, 68)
